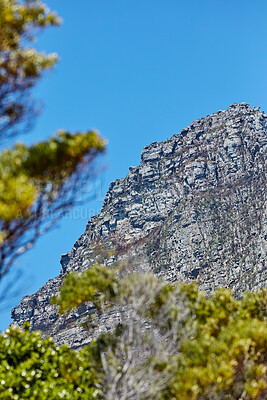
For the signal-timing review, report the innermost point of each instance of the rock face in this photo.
(194, 209)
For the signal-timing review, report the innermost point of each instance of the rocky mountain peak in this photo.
(195, 208)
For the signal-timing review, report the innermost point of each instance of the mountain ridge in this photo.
(195, 208)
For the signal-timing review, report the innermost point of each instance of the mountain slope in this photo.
(195, 208)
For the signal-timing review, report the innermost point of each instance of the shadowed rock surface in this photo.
(194, 209)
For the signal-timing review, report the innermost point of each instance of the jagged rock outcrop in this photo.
(195, 208)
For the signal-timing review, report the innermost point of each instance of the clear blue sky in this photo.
(140, 71)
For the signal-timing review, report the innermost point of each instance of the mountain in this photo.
(194, 209)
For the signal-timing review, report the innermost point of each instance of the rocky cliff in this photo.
(194, 209)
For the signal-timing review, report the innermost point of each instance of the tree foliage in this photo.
(98, 285)
(32, 368)
(38, 183)
(21, 65)
(173, 341)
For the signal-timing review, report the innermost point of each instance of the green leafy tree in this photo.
(21, 65)
(32, 368)
(172, 341)
(226, 357)
(38, 183)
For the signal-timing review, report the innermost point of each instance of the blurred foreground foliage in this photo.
(217, 347)
(33, 368)
(40, 182)
(171, 341)
(21, 65)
